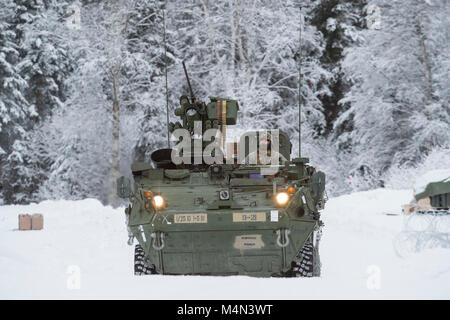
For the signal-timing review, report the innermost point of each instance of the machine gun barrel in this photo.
(189, 83)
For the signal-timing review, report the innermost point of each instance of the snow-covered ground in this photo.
(86, 241)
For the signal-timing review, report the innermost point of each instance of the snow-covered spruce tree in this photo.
(397, 111)
(46, 59)
(339, 21)
(145, 69)
(44, 63)
(13, 105)
(25, 169)
(14, 109)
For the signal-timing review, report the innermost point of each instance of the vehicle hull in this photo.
(222, 246)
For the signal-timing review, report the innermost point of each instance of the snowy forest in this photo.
(83, 95)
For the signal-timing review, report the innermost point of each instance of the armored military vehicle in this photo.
(229, 217)
(431, 194)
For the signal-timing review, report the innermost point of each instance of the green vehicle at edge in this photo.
(437, 193)
(224, 219)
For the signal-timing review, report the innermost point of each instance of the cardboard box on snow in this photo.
(24, 222)
(37, 221)
(31, 222)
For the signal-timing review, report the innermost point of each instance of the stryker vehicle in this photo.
(431, 194)
(225, 218)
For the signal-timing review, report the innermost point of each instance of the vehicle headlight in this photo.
(282, 198)
(158, 201)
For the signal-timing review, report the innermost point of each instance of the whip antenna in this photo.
(300, 86)
(189, 83)
(165, 71)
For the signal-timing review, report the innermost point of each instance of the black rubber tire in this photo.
(309, 264)
(141, 266)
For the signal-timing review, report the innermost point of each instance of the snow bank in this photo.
(87, 239)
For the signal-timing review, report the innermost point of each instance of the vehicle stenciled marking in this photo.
(190, 218)
(274, 215)
(248, 241)
(249, 216)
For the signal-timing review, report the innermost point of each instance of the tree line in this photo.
(83, 84)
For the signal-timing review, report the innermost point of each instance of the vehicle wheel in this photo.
(309, 264)
(141, 266)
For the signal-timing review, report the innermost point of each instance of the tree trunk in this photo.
(115, 160)
(216, 51)
(424, 58)
(239, 33)
(233, 44)
(118, 30)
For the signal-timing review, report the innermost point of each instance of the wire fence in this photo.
(423, 230)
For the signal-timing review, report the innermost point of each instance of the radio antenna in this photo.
(189, 84)
(300, 86)
(165, 71)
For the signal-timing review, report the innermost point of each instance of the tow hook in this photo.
(154, 236)
(286, 237)
(130, 240)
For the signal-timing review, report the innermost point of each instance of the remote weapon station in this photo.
(236, 215)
